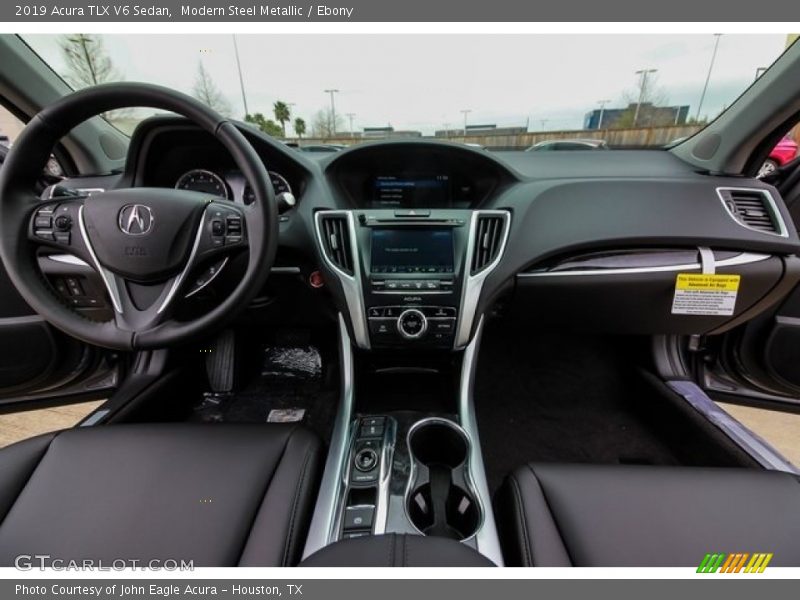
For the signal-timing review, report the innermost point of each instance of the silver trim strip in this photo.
(473, 284)
(323, 524)
(94, 418)
(745, 258)
(772, 205)
(68, 259)
(176, 284)
(385, 476)
(756, 446)
(212, 278)
(487, 539)
(351, 284)
(107, 277)
(85, 191)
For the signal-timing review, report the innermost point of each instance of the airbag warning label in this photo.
(698, 294)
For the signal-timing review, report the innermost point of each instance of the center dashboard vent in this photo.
(335, 233)
(753, 208)
(489, 232)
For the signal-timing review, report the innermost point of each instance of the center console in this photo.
(404, 455)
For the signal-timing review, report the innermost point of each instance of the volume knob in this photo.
(412, 324)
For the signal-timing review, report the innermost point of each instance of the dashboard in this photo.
(439, 233)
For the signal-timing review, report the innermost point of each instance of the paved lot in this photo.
(782, 430)
(19, 426)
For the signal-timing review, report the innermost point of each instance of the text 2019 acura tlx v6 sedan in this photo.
(408, 352)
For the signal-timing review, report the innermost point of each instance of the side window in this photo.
(10, 126)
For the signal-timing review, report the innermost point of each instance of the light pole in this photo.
(465, 112)
(333, 111)
(350, 116)
(543, 122)
(708, 75)
(642, 89)
(241, 79)
(602, 104)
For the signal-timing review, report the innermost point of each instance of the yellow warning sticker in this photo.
(705, 294)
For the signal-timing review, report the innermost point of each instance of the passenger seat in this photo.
(552, 515)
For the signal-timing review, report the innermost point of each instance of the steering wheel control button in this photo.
(366, 460)
(43, 222)
(412, 324)
(63, 223)
(217, 227)
(234, 225)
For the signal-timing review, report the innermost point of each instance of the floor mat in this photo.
(552, 398)
(293, 384)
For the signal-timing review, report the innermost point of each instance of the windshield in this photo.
(509, 92)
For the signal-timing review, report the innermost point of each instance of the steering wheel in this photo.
(144, 242)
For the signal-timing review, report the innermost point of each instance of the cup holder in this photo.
(440, 501)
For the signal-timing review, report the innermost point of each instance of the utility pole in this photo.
(602, 104)
(708, 75)
(333, 111)
(350, 116)
(465, 112)
(543, 122)
(642, 89)
(241, 79)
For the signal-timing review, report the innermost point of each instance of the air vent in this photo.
(335, 231)
(488, 238)
(753, 208)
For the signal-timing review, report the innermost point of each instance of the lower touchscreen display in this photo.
(423, 250)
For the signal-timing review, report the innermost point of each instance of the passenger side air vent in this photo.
(335, 233)
(753, 208)
(489, 232)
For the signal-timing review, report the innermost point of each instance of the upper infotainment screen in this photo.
(413, 191)
(422, 250)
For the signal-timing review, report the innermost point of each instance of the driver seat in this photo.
(216, 494)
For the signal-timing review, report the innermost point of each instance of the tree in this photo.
(299, 127)
(87, 61)
(268, 126)
(322, 126)
(646, 96)
(205, 90)
(282, 114)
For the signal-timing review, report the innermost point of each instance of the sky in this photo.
(423, 82)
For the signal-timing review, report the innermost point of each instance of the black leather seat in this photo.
(219, 495)
(395, 550)
(590, 515)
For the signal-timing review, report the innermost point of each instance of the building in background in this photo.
(481, 130)
(388, 133)
(648, 115)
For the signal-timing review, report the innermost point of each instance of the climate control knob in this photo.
(412, 324)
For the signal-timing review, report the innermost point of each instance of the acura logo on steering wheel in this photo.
(136, 219)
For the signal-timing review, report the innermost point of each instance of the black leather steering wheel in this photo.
(144, 242)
